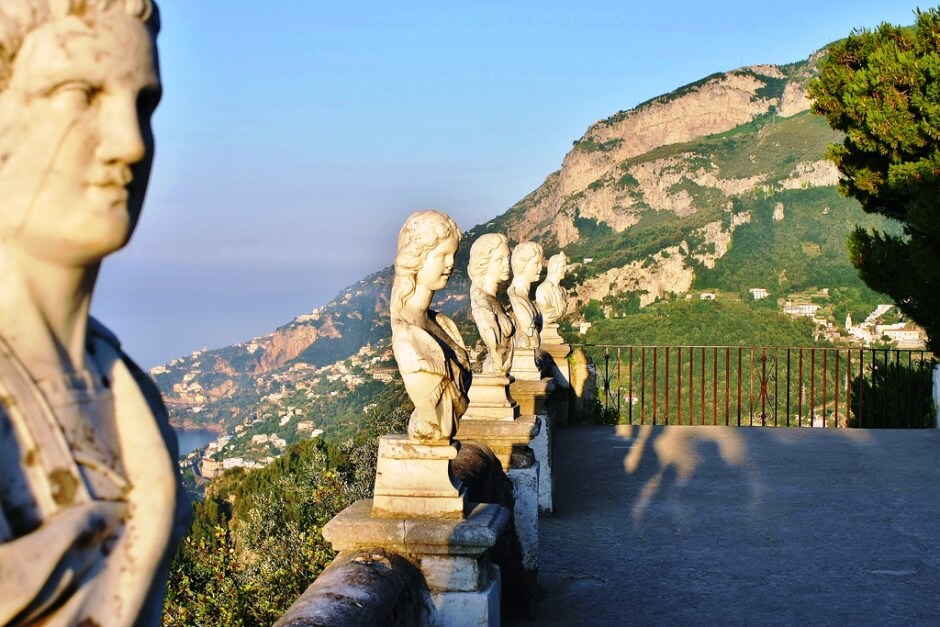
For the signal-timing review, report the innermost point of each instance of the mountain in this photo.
(718, 186)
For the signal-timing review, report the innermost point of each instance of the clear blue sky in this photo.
(295, 137)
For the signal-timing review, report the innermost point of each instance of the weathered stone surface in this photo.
(501, 436)
(543, 448)
(525, 482)
(490, 399)
(478, 468)
(524, 366)
(583, 387)
(469, 609)
(367, 588)
(532, 394)
(414, 480)
(356, 528)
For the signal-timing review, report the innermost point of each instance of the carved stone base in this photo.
(490, 399)
(549, 334)
(453, 555)
(532, 395)
(523, 366)
(501, 436)
(559, 354)
(414, 480)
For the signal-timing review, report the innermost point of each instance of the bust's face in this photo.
(499, 263)
(75, 138)
(438, 264)
(533, 269)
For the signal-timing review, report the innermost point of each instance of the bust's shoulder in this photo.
(448, 325)
(416, 350)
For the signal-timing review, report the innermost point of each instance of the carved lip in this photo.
(116, 177)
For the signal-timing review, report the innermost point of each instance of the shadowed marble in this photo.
(90, 502)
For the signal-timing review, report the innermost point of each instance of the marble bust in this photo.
(430, 352)
(488, 269)
(526, 264)
(90, 502)
(551, 298)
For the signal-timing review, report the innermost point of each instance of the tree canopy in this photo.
(882, 89)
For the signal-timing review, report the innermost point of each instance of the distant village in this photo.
(280, 418)
(260, 439)
(873, 330)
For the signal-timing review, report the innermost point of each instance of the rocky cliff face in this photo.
(714, 105)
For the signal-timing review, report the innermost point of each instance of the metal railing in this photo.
(764, 386)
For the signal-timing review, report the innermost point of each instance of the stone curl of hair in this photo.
(20, 17)
(522, 254)
(420, 234)
(482, 252)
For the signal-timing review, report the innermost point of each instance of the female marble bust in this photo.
(488, 268)
(90, 502)
(551, 298)
(526, 267)
(428, 347)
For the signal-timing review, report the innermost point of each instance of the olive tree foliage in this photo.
(881, 88)
(256, 541)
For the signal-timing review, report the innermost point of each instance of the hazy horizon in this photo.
(293, 140)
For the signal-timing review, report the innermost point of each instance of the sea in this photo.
(191, 439)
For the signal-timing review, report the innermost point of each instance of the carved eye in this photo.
(73, 94)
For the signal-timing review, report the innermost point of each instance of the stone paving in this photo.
(742, 526)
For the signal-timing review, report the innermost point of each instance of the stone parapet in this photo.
(365, 587)
(452, 555)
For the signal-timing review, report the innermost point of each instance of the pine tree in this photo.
(882, 89)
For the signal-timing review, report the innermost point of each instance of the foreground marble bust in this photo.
(427, 345)
(488, 269)
(90, 502)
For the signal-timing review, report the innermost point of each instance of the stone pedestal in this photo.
(559, 354)
(490, 399)
(493, 418)
(550, 335)
(414, 480)
(523, 366)
(532, 397)
(525, 484)
(453, 555)
(500, 436)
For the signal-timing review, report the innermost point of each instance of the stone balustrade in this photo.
(448, 570)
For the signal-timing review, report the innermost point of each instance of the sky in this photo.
(294, 138)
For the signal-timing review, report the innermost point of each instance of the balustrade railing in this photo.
(764, 386)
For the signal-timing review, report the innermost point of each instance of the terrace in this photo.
(704, 525)
(695, 509)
